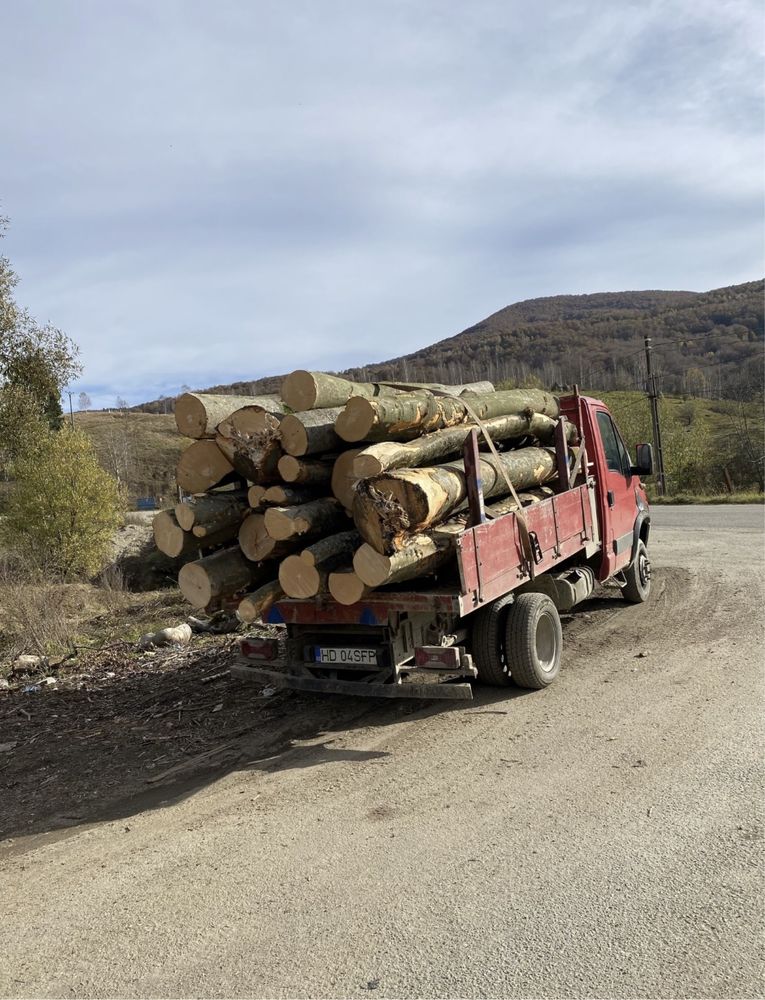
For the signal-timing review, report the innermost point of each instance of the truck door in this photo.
(620, 506)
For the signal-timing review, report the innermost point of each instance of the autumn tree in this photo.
(62, 504)
(36, 363)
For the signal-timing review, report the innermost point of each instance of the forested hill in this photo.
(706, 344)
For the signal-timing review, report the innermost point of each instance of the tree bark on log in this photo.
(345, 542)
(197, 415)
(306, 472)
(306, 574)
(310, 432)
(426, 552)
(211, 512)
(378, 458)
(346, 587)
(410, 415)
(219, 575)
(249, 439)
(257, 605)
(396, 504)
(343, 477)
(304, 390)
(317, 517)
(203, 466)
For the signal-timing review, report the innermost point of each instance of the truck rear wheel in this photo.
(638, 576)
(533, 641)
(489, 642)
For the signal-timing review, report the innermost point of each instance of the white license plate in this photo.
(345, 654)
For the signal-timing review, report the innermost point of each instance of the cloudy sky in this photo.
(207, 191)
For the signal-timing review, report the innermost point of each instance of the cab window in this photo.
(617, 459)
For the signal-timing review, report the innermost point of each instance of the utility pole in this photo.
(653, 396)
(71, 411)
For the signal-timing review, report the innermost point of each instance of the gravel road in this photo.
(598, 839)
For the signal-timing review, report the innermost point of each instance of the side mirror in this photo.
(644, 464)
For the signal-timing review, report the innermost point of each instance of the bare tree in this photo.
(83, 401)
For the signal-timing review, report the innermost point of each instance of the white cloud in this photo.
(202, 193)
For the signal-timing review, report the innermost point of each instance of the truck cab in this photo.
(494, 614)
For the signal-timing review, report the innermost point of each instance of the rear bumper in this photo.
(245, 670)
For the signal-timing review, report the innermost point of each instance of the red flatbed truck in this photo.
(498, 621)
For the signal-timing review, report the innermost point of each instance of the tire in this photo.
(489, 642)
(533, 641)
(638, 576)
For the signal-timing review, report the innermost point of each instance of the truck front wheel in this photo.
(533, 641)
(638, 576)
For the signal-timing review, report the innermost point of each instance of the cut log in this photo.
(317, 517)
(302, 390)
(377, 458)
(257, 605)
(288, 496)
(170, 538)
(197, 415)
(310, 432)
(396, 504)
(258, 545)
(220, 575)
(344, 478)
(203, 466)
(306, 574)
(255, 495)
(422, 555)
(346, 587)
(211, 512)
(298, 579)
(412, 414)
(306, 472)
(426, 552)
(249, 438)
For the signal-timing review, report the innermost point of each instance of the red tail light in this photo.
(437, 657)
(259, 649)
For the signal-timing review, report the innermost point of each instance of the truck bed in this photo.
(490, 560)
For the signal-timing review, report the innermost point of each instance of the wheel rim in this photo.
(546, 643)
(644, 570)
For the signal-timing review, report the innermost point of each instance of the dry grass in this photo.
(38, 613)
(42, 615)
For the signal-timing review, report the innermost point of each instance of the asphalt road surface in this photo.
(598, 839)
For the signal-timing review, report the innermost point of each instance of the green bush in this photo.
(62, 507)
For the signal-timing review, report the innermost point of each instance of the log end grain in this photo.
(281, 524)
(195, 585)
(169, 536)
(299, 390)
(294, 436)
(346, 587)
(356, 420)
(371, 567)
(298, 578)
(190, 416)
(257, 604)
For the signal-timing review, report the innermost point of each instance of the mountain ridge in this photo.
(705, 343)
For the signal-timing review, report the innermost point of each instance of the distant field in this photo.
(141, 449)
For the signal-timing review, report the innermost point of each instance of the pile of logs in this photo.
(341, 487)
